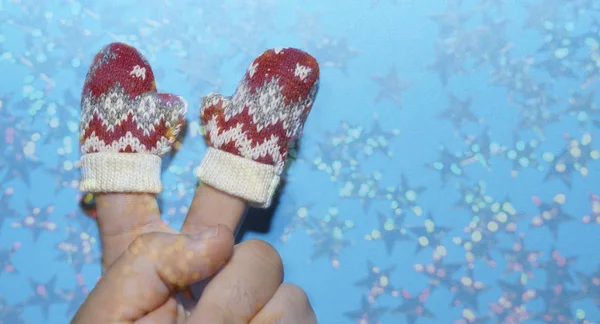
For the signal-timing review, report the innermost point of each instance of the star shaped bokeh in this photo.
(584, 108)
(413, 307)
(377, 281)
(333, 53)
(551, 215)
(489, 218)
(557, 305)
(391, 87)
(524, 154)
(536, 110)
(521, 259)
(45, 295)
(439, 273)
(391, 231)
(447, 63)
(590, 284)
(541, 12)
(37, 221)
(368, 313)
(558, 269)
(10, 314)
(459, 112)
(466, 290)
(481, 149)
(577, 157)
(452, 18)
(430, 236)
(329, 236)
(594, 216)
(511, 306)
(449, 165)
(80, 248)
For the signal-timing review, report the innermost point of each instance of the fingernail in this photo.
(205, 234)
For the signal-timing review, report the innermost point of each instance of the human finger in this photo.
(126, 127)
(289, 305)
(242, 287)
(151, 270)
(249, 136)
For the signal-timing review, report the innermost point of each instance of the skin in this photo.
(147, 262)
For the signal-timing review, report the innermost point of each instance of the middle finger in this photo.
(244, 285)
(211, 207)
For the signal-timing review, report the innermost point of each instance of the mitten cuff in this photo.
(120, 172)
(239, 177)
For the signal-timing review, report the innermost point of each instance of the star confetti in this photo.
(368, 313)
(489, 217)
(466, 290)
(45, 295)
(458, 112)
(520, 259)
(594, 217)
(551, 215)
(524, 155)
(333, 53)
(414, 307)
(584, 108)
(577, 157)
(328, 235)
(590, 285)
(391, 87)
(37, 221)
(557, 269)
(510, 307)
(439, 273)
(449, 165)
(391, 231)
(430, 235)
(557, 301)
(377, 281)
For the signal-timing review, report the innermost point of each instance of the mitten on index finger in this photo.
(126, 126)
(249, 133)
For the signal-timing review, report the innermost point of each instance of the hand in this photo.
(142, 280)
(139, 286)
(248, 289)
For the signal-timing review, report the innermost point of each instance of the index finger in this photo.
(211, 207)
(249, 136)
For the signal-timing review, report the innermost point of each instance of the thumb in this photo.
(154, 266)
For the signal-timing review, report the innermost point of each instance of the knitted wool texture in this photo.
(125, 125)
(249, 133)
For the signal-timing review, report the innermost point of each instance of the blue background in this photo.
(448, 173)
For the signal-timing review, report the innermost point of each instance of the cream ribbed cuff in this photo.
(239, 177)
(120, 172)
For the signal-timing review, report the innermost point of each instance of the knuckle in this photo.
(295, 298)
(144, 244)
(264, 252)
(141, 242)
(294, 294)
(235, 293)
(223, 311)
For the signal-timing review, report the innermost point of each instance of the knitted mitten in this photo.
(125, 125)
(249, 133)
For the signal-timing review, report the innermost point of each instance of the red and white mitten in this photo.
(249, 133)
(126, 127)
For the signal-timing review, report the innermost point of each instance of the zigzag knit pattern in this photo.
(124, 121)
(268, 109)
(252, 130)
